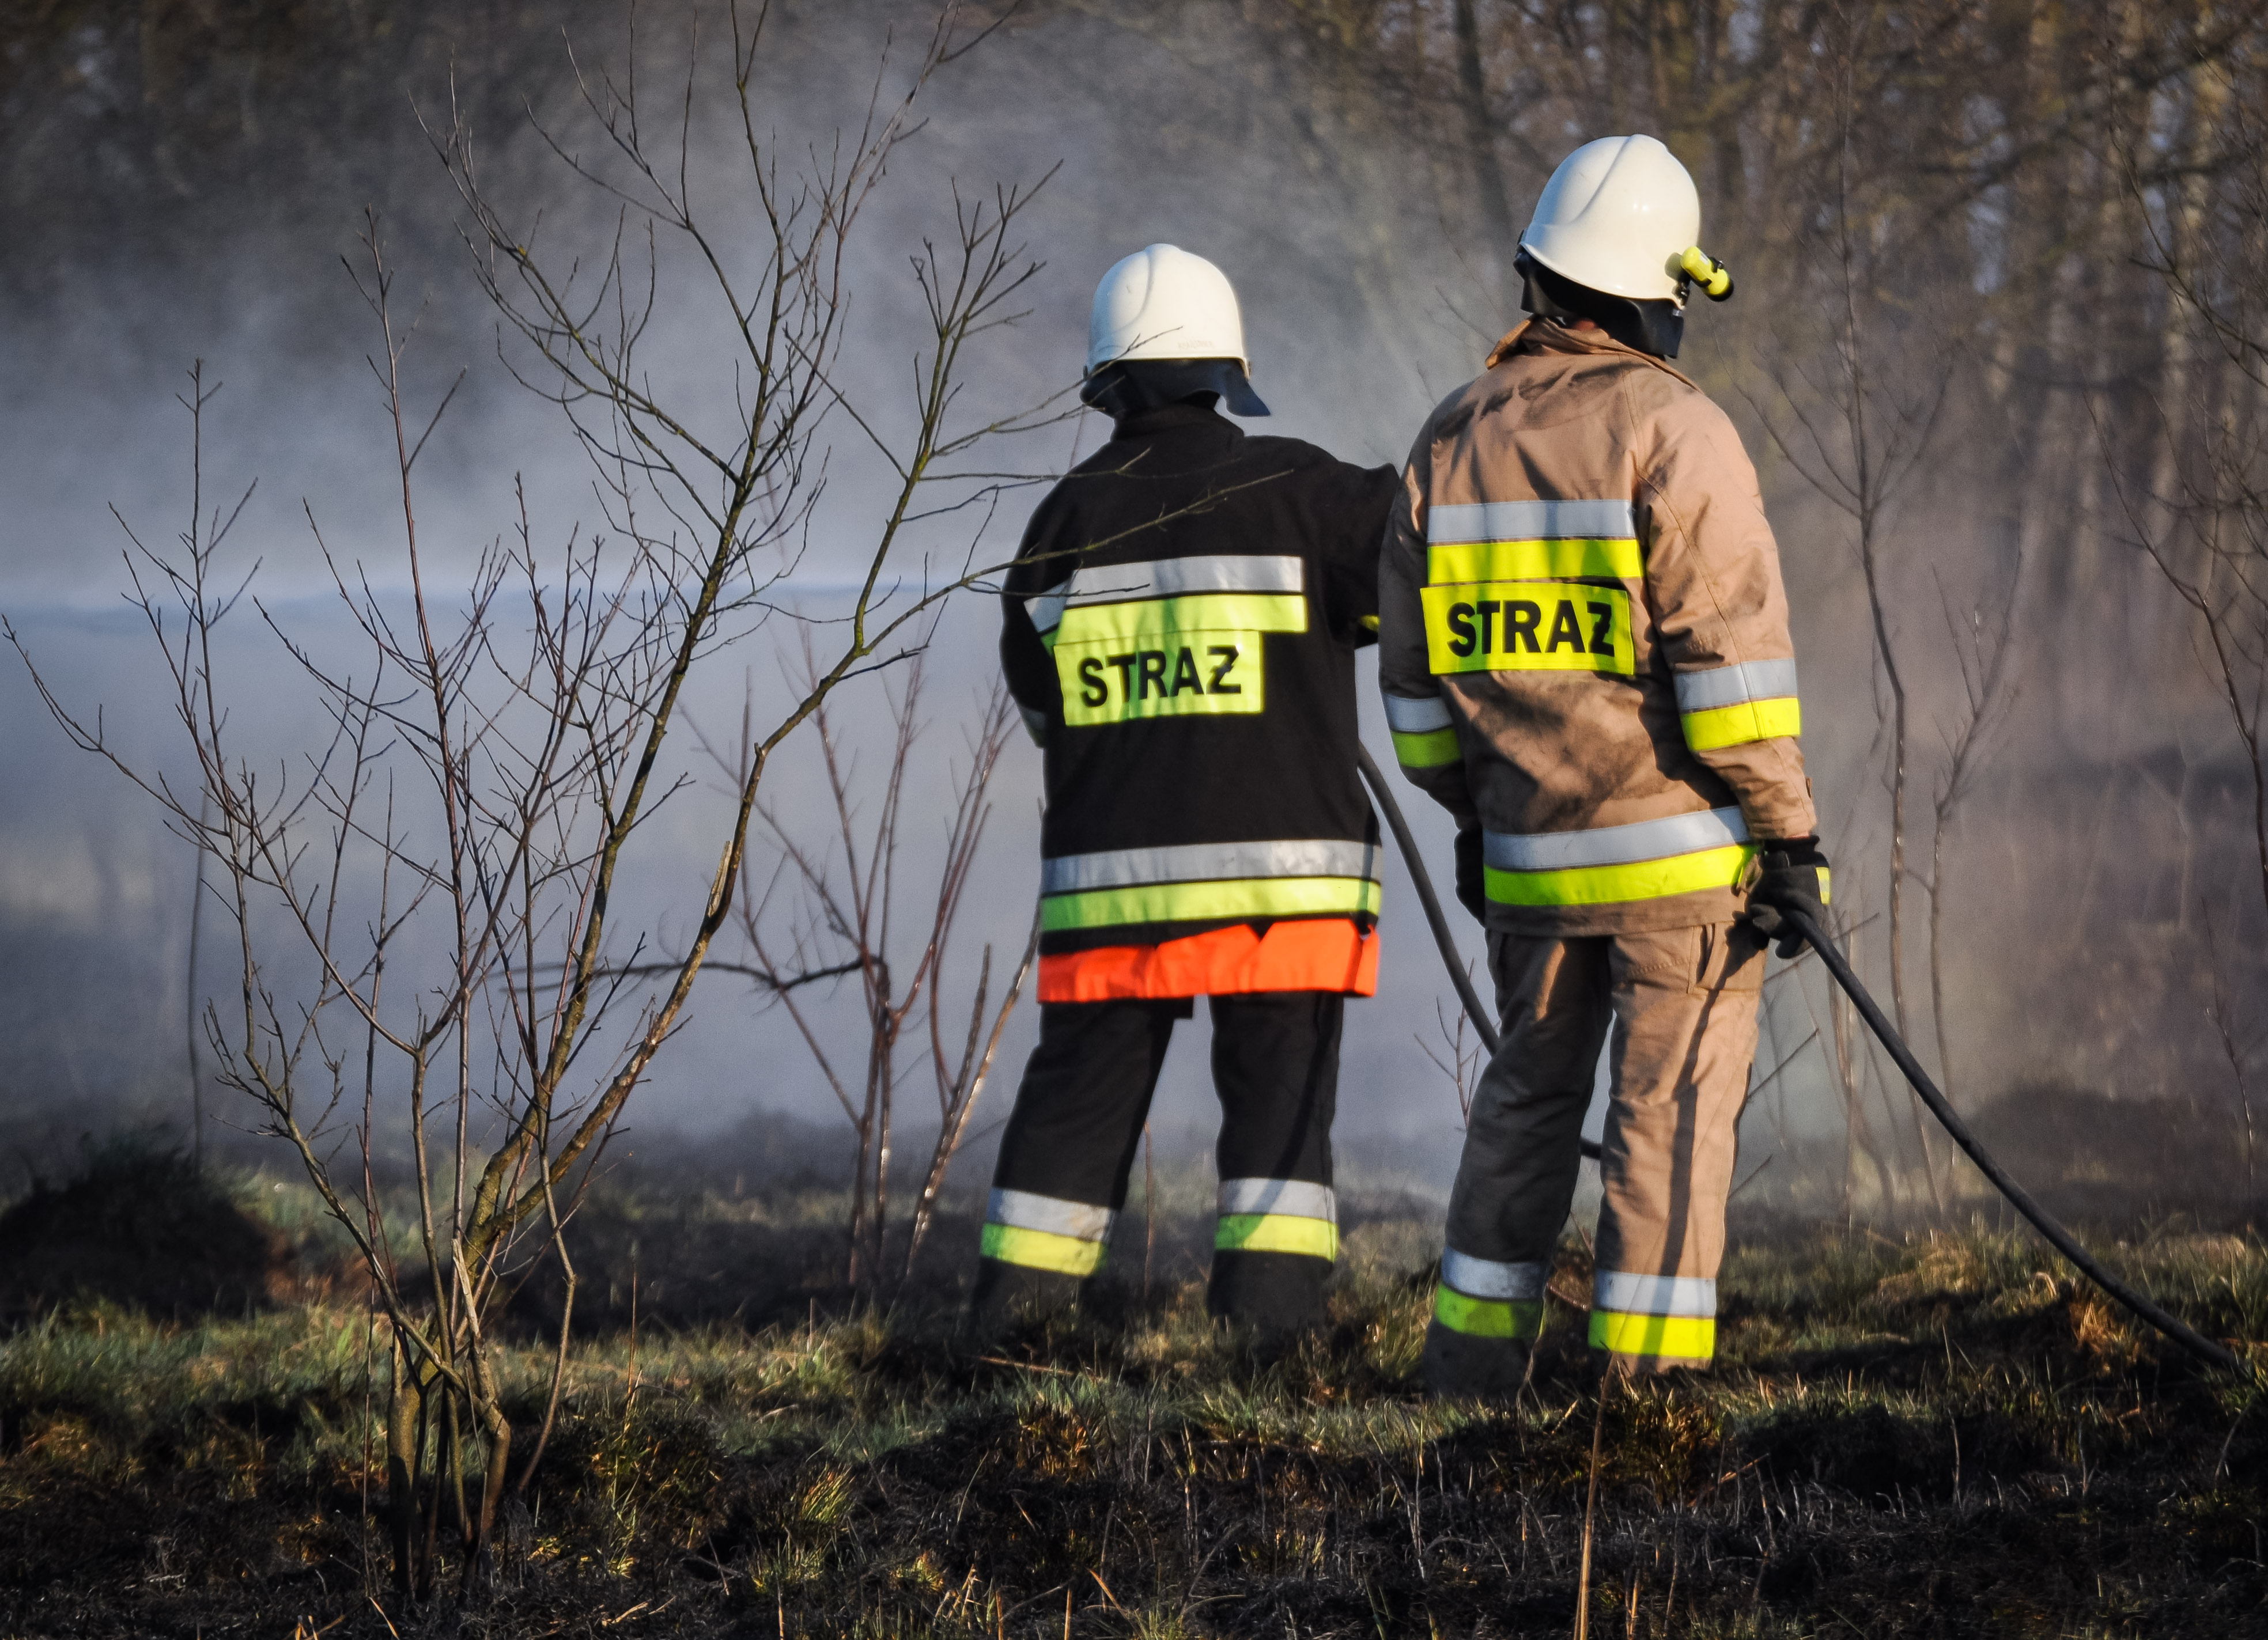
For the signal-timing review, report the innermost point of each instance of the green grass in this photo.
(1939, 1434)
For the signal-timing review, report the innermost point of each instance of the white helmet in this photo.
(1618, 216)
(1170, 319)
(1163, 303)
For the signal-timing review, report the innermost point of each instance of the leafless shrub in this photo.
(844, 927)
(426, 905)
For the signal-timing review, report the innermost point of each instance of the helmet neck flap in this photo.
(1129, 387)
(1655, 327)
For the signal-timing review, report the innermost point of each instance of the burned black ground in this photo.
(1937, 1435)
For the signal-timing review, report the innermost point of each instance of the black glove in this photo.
(1795, 879)
(1472, 883)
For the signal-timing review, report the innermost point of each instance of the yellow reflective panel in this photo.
(1487, 1318)
(1113, 682)
(1676, 1337)
(1276, 1232)
(1737, 725)
(1528, 626)
(1535, 561)
(1150, 621)
(1610, 885)
(1227, 899)
(1437, 748)
(1041, 1250)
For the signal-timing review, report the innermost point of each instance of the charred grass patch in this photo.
(1934, 1436)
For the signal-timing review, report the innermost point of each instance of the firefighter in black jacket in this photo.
(1180, 628)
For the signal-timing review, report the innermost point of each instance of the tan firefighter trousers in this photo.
(1682, 1005)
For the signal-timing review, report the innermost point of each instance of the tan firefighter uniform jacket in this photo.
(1583, 640)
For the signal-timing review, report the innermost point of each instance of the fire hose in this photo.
(2064, 1242)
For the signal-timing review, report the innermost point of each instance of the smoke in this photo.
(180, 195)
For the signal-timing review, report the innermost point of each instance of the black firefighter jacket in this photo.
(1179, 631)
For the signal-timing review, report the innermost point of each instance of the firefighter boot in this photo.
(1466, 1366)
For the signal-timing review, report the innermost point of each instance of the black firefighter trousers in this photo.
(1061, 1182)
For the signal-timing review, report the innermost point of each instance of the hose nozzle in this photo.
(1714, 278)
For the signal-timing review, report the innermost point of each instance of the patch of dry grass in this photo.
(1939, 1434)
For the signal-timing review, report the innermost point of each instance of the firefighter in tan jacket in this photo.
(1583, 648)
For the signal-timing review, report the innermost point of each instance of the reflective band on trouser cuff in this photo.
(1486, 1278)
(1671, 1337)
(1668, 1316)
(1277, 1216)
(1737, 725)
(1424, 732)
(1167, 577)
(1681, 854)
(1488, 1299)
(1488, 1318)
(1045, 1232)
(1216, 902)
(1276, 1232)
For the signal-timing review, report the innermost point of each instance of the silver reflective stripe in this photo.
(1167, 578)
(1531, 521)
(1729, 686)
(1080, 1220)
(1615, 845)
(1484, 1279)
(1290, 1196)
(1655, 1295)
(1205, 862)
(1405, 716)
(1035, 724)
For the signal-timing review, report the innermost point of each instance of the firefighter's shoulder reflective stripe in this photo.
(1277, 1216)
(1529, 520)
(1045, 1232)
(1647, 860)
(1666, 1317)
(1484, 1298)
(1302, 877)
(1527, 626)
(1734, 705)
(1424, 732)
(1167, 577)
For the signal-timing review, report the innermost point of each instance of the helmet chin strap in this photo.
(1652, 327)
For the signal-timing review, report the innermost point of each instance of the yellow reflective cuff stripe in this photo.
(1677, 1337)
(1535, 561)
(1527, 626)
(1610, 885)
(1437, 748)
(1189, 902)
(1041, 1250)
(1488, 1318)
(1276, 1232)
(1159, 618)
(1823, 899)
(1737, 725)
